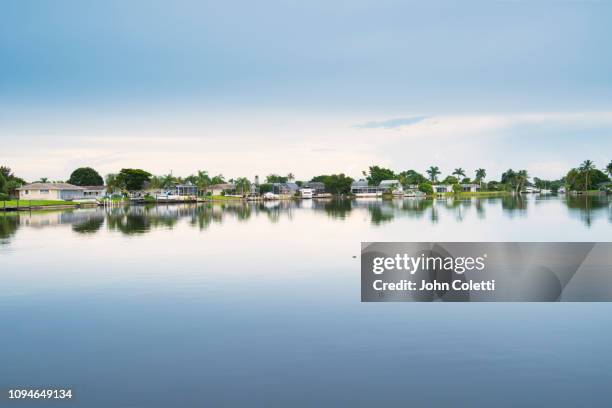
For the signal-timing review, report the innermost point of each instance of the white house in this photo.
(470, 188)
(361, 188)
(94, 192)
(51, 191)
(218, 189)
(443, 188)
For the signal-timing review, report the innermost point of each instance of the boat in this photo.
(306, 193)
(270, 196)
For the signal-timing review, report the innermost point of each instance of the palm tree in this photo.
(202, 180)
(290, 177)
(112, 183)
(609, 168)
(521, 179)
(433, 172)
(168, 180)
(586, 167)
(43, 180)
(459, 173)
(243, 185)
(480, 174)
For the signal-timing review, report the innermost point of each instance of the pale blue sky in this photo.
(247, 88)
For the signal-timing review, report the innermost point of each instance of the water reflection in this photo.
(135, 220)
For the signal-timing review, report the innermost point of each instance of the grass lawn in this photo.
(223, 198)
(37, 203)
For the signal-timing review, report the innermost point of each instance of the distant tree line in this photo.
(584, 177)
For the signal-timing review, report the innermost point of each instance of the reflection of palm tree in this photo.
(586, 167)
(433, 172)
(459, 173)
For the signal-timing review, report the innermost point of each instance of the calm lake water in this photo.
(259, 305)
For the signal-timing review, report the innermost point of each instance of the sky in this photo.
(246, 88)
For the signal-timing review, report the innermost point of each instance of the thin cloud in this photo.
(393, 123)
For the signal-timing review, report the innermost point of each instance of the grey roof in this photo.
(50, 186)
(224, 186)
(94, 187)
(315, 184)
(389, 182)
(360, 183)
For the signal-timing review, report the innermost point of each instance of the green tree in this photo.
(338, 184)
(609, 168)
(85, 176)
(522, 177)
(426, 188)
(481, 174)
(203, 181)
(450, 180)
(133, 179)
(459, 172)
(218, 179)
(9, 183)
(168, 181)
(409, 177)
(585, 168)
(433, 172)
(376, 174)
(243, 185)
(275, 178)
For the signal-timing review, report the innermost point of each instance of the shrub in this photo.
(426, 188)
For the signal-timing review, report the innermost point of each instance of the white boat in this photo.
(306, 192)
(270, 196)
(369, 195)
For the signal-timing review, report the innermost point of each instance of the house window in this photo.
(44, 191)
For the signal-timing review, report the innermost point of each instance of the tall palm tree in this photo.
(44, 180)
(609, 168)
(243, 185)
(202, 180)
(459, 173)
(521, 179)
(433, 172)
(290, 177)
(168, 180)
(586, 167)
(480, 175)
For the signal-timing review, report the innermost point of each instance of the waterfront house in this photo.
(317, 186)
(470, 188)
(95, 192)
(51, 191)
(186, 190)
(361, 188)
(285, 188)
(223, 188)
(443, 188)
